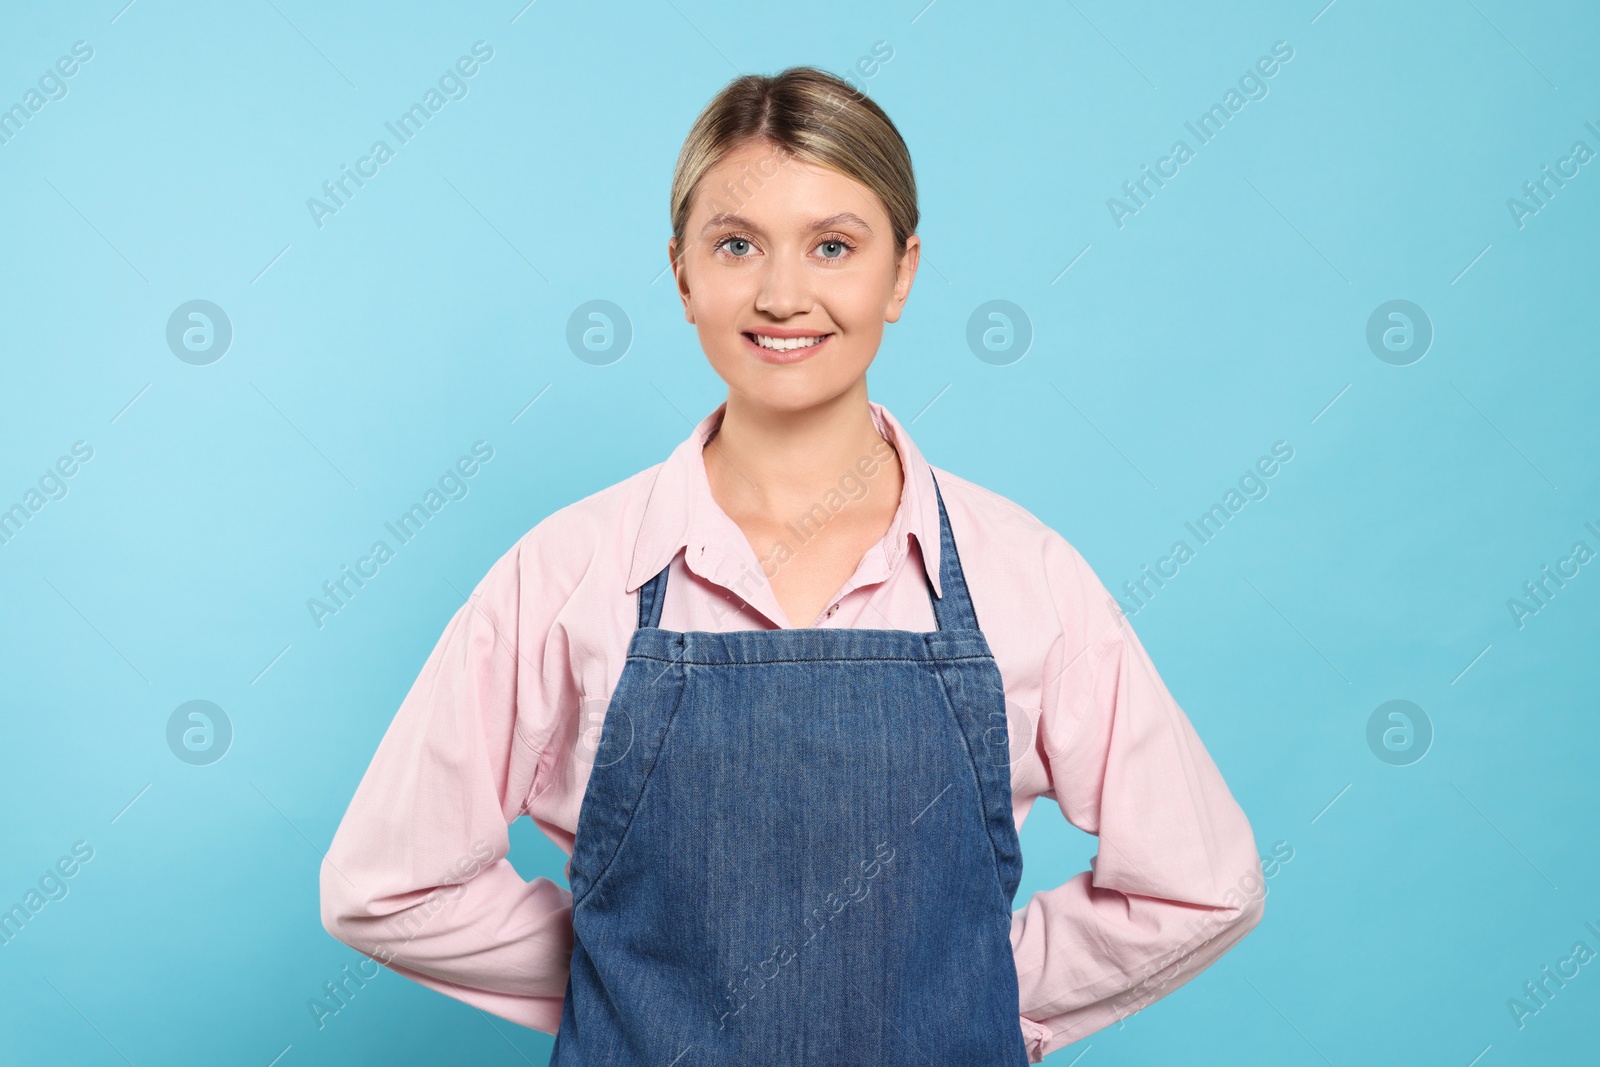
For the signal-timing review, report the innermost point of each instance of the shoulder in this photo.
(1003, 545)
(986, 507)
(583, 525)
(589, 540)
(1002, 523)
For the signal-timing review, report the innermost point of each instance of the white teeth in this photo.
(785, 344)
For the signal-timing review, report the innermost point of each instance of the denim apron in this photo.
(796, 846)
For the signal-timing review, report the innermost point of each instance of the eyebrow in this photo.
(843, 218)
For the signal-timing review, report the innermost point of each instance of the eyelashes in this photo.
(730, 239)
(720, 246)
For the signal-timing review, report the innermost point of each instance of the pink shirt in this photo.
(504, 717)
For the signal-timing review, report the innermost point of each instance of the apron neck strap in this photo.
(953, 611)
(652, 595)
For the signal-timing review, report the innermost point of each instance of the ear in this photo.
(680, 278)
(905, 272)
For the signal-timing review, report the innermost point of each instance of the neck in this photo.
(777, 463)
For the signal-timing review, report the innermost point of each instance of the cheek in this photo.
(717, 317)
(857, 305)
(719, 310)
(859, 298)
(721, 298)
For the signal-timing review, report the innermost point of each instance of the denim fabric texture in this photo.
(797, 846)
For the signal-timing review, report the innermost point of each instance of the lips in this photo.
(795, 345)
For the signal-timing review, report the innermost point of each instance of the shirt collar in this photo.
(681, 512)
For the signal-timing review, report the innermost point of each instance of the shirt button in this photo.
(831, 611)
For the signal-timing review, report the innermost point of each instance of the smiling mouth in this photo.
(785, 344)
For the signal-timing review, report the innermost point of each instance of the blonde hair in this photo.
(807, 114)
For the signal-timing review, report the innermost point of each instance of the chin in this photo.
(794, 394)
(787, 387)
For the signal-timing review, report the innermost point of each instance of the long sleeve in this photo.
(417, 875)
(1177, 880)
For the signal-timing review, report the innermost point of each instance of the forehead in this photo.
(763, 183)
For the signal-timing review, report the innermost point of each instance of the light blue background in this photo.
(1228, 314)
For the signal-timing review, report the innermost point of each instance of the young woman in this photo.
(786, 698)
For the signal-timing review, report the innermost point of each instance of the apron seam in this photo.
(638, 802)
(983, 799)
(831, 659)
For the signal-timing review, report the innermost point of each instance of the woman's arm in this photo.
(1176, 882)
(416, 876)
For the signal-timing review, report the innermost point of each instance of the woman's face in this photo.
(797, 255)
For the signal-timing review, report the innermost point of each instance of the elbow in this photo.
(348, 915)
(1254, 906)
(1250, 915)
(1239, 908)
(339, 904)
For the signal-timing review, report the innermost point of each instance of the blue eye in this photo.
(844, 249)
(834, 249)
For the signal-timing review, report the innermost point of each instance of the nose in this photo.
(785, 288)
